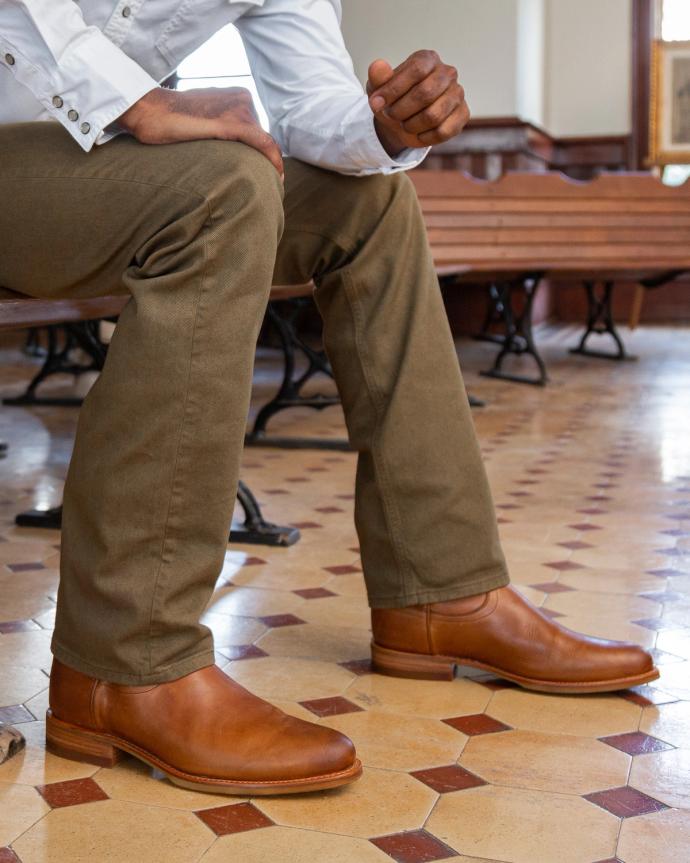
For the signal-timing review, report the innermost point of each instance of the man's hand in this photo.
(168, 116)
(418, 104)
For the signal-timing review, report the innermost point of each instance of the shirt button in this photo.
(126, 12)
(73, 115)
(57, 102)
(85, 128)
(9, 59)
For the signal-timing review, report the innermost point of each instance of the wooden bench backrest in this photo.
(550, 222)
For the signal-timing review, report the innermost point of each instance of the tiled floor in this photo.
(592, 481)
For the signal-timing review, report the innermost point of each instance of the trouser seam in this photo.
(183, 423)
(391, 514)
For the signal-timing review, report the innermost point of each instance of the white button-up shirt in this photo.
(84, 64)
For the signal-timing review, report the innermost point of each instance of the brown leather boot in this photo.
(204, 731)
(505, 634)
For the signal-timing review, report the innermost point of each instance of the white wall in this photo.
(477, 36)
(588, 67)
(563, 64)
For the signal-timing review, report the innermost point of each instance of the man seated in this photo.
(191, 209)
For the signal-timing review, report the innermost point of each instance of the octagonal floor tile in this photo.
(20, 683)
(394, 742)
(585, 716)
(381, 802)
(668, 722)
(288, 679)
(439, 700)
(21, 807)
(312, 641)
(293, 845)
(664, 776)
(523, 826)
(34, 766)
(135, 782)
(546, 762)
(642, 839)
(337, 611)
(114, 830)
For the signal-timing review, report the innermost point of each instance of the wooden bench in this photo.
(20, 312)
(512, 233)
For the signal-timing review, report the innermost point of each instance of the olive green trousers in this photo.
(196, 234)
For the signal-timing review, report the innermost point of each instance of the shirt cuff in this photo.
(93, 84)
(371, 152)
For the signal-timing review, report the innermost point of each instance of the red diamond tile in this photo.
(275, 491)
(610, 860)
(276, 620)
(334, 459)
(345, 496)
(25, 567)
(598, 498)
(298, 479)
(344, 569)
(329, 509)
(665, 573)
(314, 593)
(358, 666)
(477, 723)
(564, 565)
(306, 525)
(334, 706)
(644, 696)
(672, 552)
(584, 526)
(7, 855)
(551, 614)
(663, 596)
(71, 793)
(508, 506)
(242, 651)
(254, 561)
(656, 624)
(446, 779)
(236, 818)
(18, 626)
(593, 510)
(15, 713)
(417, 846)
(576, 545)
(635, 743)
(317, 469)
(552, 587)
(625, 802)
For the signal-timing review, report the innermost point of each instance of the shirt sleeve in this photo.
(79, 76)
(317, 108)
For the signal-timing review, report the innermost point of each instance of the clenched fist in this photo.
(418, 104)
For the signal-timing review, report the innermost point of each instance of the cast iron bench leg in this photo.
(255, 530)
(600, 322)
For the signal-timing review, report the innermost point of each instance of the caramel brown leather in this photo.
(504, 633)
(203, 725)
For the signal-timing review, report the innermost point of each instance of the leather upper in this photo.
(204, 724)
(502, 629)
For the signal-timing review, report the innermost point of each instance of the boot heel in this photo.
(78, 744)
(397, 663)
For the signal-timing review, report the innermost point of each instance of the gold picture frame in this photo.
(670, 109)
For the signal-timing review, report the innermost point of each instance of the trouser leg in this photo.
(191, 232)
(423, 511)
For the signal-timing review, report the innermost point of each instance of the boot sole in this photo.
(80, 744)
(397, 663)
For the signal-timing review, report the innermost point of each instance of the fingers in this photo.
(415, 69)
(380, 72)
(449, 128)
(254, 136)
(425, 94)
(433, 115)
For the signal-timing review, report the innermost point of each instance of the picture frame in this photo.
(670, 108)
